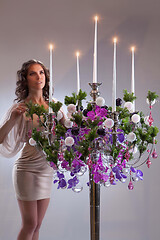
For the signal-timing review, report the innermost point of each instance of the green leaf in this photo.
(70, 100)
(152, 96)
(128, 97)
(55, 106)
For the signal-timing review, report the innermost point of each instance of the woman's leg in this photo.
(42, 206)
(28, 211)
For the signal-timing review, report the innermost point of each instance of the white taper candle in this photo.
(114, 77)
(95, 52)
(133, 77)
(51, 76)
(78, 74)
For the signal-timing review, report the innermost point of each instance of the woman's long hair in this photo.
(22, 90)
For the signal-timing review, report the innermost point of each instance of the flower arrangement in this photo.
(93, 139)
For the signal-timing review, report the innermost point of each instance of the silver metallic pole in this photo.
(94, 188)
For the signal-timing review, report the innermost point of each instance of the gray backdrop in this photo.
(26, 29)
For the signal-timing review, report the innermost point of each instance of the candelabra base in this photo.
(94, 209)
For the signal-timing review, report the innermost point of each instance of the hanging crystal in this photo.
(154, 154)
(148, 163)
(150, 119)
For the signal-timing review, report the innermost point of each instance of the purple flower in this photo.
(138, 173)
(101, 112)
(61, 181)
(53, 165)
(73, 182)
(91, 115)
(65, 165)
(118, 173)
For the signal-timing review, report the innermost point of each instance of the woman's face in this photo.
(36, 77)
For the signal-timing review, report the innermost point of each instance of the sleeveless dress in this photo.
(32, 175)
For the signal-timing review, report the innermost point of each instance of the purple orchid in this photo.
(138, 173)
(61, 180)
(120, 135)
(73, 182)
(101, 112)
(119, 175)
(91, 115)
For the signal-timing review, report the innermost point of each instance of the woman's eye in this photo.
(31, 73)
(41, 72)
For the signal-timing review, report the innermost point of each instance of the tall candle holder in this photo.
(94, 187)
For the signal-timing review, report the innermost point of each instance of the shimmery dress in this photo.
(32, 175)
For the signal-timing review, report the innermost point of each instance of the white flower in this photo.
(129, 106)
(100, 101)
(108, 123)
(69, 141)
(68, 123)
(59, 115)
(32, 142)
(71, 108)
(135, 118)
(131, 137)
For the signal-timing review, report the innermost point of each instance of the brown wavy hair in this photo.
(22, 90)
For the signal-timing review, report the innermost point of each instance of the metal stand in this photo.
(94, 188)
(94, 209)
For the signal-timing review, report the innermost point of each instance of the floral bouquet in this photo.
(92, 138)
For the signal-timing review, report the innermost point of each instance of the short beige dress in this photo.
(32, 175)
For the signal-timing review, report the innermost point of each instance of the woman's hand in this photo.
(18, 111)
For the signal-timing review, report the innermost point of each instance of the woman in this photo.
(32, 176)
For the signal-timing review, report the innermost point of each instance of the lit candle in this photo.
(95, 52)
(114, 77)
(50, 82)
(78, 75)
(133, 78)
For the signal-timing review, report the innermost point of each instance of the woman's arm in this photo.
(14, 116)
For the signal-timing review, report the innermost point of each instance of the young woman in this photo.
(32, 176)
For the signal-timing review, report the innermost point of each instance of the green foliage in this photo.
(35, 109)
(60, 131)
(92, 134)
(55, 106)
(115, 151)
(70, 100)
(69, 156)
(89, 107)
(82, 148)
(92, 124)
(128, 97)
(123, 112)
(81, 95)
(152, 96)
(77, 118)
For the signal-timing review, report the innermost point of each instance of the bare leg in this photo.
(42, 206)
(28, 211)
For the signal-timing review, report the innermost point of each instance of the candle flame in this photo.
(132, 48)
(77, 53)
(96, 18)
(51, 46)
(115, 40)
